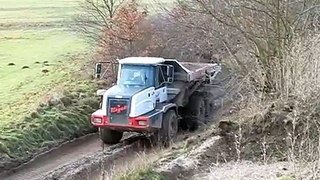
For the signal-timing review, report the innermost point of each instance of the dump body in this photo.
(188, 77)
(187, 71)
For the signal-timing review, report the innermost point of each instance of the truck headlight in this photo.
(142, 123)
(97, 120)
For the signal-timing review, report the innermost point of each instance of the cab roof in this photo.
(142, 60)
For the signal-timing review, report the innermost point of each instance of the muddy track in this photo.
(74, 158)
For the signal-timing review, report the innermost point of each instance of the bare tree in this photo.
(186, 33)
(115, 28)
(265, 27)
(96, 16)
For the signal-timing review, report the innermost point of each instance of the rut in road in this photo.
(54, 161)
(101, 163)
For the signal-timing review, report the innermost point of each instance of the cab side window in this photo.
(160, 77)
(164, 70)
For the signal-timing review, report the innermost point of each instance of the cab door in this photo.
(160, 85)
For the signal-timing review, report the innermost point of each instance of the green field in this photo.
(35, 34)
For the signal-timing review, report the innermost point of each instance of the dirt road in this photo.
(80, 159)
(66, 154)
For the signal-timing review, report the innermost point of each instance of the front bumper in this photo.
(136, 124)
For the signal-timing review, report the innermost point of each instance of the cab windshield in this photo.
(136, 75)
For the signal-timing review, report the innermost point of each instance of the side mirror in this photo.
(100, 92)
(98, 70)
(170, 74)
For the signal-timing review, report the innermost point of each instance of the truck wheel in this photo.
(211, 107)
(169, 130)
(197, 111)
(109, 136)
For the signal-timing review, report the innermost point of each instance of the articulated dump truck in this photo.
(156, 97)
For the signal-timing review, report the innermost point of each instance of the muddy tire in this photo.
(197, 112)
(211, 107)
(167, 134)
(109, 136)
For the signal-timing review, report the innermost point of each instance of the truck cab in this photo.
(133, 103)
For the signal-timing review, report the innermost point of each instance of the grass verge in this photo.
(59, 120)
(139, 167)
(141, 174)
(143, 166)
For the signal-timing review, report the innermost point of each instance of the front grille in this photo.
(119, 111)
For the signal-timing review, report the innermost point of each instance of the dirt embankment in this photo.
(209, 156)
(257, 148)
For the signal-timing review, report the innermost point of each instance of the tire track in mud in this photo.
(92, 167)
(65, 153)
(74, 159)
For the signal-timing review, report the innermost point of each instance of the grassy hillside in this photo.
(35, 50)
(40, 62)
